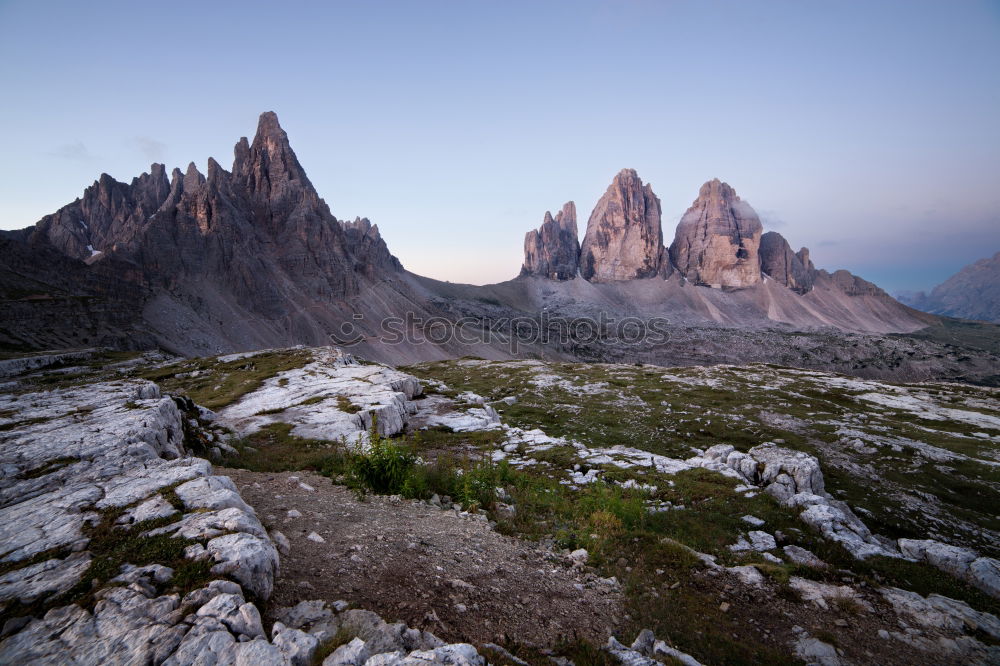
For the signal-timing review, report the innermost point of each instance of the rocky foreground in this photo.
(122, 544)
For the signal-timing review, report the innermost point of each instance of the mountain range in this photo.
(972, 293)
(252, 258)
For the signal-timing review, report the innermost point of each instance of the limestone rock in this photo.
(381, 393)
(354, 653)
(238, 615)
(718, 240)
(820, 593)
(250, 559)
(553, 250)
(807, 558)
(779, 262)
(814, 651)
(297, 645)
(624, 239)
(964, 564)
(941, 612)
(795, 479)
(44, 579)
(370, 253)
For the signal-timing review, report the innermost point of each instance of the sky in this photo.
(868, 131)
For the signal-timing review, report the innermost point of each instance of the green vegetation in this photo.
(49, 467)
(672, 411)
(215, 384)
(112, 545)
(383, 467)
(343, 404)
(274, 449)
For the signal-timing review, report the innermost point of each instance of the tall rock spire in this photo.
(717, 240)
(779, 262)
(624, 239)
(553, 250)
(270, 172)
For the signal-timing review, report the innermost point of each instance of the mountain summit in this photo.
(717, 240)
(624, 239)
(255, 251)
(971, 293)
(553, 250)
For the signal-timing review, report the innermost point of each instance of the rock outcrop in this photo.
(851, 284)
(718, 239)
(120, 547)
(375, 394)
(109, 212)
(553, 250)
(365, 244)
(962, 563)
(624, 239)
(794, 479)
(779, 262)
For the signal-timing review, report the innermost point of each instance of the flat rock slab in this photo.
(422, 565)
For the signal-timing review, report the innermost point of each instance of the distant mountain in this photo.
(721, 268)
(971, 293)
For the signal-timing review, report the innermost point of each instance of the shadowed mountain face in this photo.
(240, 258)
(253, 258)
(792, 269)
(972, 293)
(553, 250)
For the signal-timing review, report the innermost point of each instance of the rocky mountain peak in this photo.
(371, 255)
(718, 238)
(566, 218)
(624, 239)
(192, 178)
(553, 250)
(971, 293)
(269, 166)
(779, 262)
(803, 255)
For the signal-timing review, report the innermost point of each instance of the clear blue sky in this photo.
(868, 131)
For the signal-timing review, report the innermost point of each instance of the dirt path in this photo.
(424, 566)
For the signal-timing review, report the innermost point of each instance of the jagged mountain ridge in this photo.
(253, 258)
(236, 259)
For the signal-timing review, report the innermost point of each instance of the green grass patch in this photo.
(215, 385)
(345, 405)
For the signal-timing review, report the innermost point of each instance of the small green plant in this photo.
(345, 405)
(383, 467)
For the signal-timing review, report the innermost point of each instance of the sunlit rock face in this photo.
(624, 239)
(553, 250)
(718, 239)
